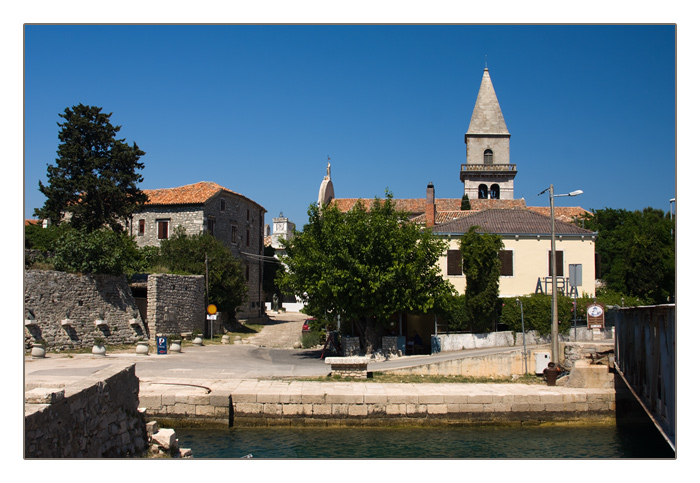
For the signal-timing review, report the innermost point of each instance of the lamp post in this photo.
(553, 268)
(522, 322)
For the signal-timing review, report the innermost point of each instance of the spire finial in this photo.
(486, 62)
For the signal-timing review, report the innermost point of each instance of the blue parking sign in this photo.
(162, 344)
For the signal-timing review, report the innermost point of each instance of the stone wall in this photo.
(267, 403)
(176, 304)
(457, 342)
(70, 310)
(97, 417)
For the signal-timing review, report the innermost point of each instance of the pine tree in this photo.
(95, 177)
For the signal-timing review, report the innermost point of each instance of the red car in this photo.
(305, 327)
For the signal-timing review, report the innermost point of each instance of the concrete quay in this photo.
(221, 385)
(289, 402)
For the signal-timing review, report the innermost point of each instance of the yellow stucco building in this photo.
(525, 257)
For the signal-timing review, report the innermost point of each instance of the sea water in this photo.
(454, 442)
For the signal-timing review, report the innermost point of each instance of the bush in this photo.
(537, 313)
(100, 251)
(311, 339)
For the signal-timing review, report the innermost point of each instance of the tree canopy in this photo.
(637, 252)
(95, 176)
(482, 268)
(364, 265)
(187, 255)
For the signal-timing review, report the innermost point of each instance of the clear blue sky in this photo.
(258, 109)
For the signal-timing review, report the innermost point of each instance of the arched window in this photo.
(495, 192)
(483, 192)
(488, 157)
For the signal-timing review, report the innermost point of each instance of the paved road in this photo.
(240, 361)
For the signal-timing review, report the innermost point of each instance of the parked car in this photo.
(305, 328)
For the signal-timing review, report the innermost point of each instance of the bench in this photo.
(348, 366)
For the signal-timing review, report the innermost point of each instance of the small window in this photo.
(454, 262)
(142, 227)
(247, 237)
(506, 258)
(162, 229)
(234, 234)
(211, 224)
(483, 192)
(495, 192)
(488, 157)
(247, 273)
(559, 261)
(223, 205)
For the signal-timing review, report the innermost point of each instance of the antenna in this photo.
(486, 61)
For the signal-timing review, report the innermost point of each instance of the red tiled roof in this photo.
(191, 194)
(414, 206)
(517, 221)
(31, 222)
(561, 213)
(451, 208)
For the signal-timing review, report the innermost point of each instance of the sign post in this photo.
(162, 344)
(595, 315)
(211, 317)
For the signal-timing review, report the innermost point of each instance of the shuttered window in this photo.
(454, 262)
(162, 229)
(506, 257)
(560, 263)
(142, 227)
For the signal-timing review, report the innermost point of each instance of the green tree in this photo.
(482, 269)
(465, 203)
(364, 265)
(637, 252)
(95, 177)
(187, 255)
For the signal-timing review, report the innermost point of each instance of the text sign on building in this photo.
(162, 344)
(595, 314)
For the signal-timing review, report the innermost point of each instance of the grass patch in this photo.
(381, 377)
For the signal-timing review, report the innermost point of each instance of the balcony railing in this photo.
(489, 167)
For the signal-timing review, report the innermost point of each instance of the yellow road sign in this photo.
(211, 309)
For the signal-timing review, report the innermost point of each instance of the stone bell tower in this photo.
(488, 173)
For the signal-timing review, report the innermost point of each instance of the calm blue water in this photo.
(598, 441)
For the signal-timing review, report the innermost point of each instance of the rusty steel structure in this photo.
(645, 358)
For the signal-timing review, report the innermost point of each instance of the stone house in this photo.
(203, 207)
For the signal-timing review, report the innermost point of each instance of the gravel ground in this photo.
(281, 332)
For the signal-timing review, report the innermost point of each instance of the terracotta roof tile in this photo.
(191, 194)
(517, 221)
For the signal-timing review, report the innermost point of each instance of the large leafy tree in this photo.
(482, 269)
(194, 253)
(95, 176)
(637, 252)
(364, 265)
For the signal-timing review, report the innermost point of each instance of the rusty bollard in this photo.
(551, 373)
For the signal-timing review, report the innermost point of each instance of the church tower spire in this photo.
(488, 173)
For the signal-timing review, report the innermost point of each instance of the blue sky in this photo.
(258, 109)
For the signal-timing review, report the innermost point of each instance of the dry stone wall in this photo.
(69, 310)
(176, 304)
(97, 417)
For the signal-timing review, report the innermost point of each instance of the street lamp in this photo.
(553, 268)
(522, 322)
